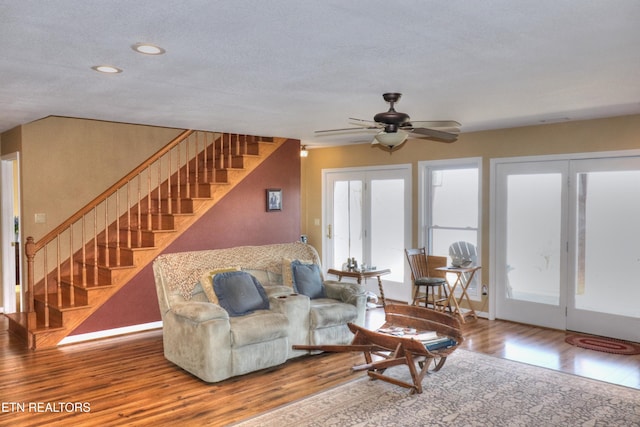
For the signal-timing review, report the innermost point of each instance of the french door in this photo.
(604, 297)
(566, 249)
(531, 257)
(367, 216)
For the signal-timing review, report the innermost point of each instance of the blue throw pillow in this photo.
(307, 279)
(239, 293)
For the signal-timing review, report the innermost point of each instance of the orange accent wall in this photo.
(240, 218)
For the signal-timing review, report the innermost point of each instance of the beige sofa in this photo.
(202, 337)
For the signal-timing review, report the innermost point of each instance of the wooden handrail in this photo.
(108, 192)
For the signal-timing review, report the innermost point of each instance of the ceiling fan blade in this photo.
(344, 129)
(437, 135)
(366, 124)
(448, 130)
(436, 124)
(352, 119)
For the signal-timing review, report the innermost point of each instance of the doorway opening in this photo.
(11, 231)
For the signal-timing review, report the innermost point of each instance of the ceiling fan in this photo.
(395, 126)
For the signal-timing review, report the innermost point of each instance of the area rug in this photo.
(471, 390)
(607, 345)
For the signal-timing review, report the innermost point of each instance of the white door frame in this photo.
(400, 291)
(7, 231)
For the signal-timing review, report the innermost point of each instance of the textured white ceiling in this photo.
(289, 67)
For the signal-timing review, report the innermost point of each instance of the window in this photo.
(449, 197)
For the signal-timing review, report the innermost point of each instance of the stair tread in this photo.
(21, 320)
(54, 305)
(112, 245)
(41, 329)
(110, 267)
(164, 230)
(146, 230)
(77, 282)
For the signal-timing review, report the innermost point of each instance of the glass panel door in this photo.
(388, 226)
(531, 243)
(606, 250)
(368, 217)
(347, 220)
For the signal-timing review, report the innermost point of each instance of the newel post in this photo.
(30, 251)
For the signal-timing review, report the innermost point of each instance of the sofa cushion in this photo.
(326, 312)
(206, 282)
(287, 275)
(239, 293)
(265, 277)
(257, 327)
(307, 279)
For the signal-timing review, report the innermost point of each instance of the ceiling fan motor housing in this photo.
(392, 118)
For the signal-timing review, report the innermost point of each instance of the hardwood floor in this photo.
(126, 380)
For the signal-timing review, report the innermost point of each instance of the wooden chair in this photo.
(383, 351)
(424, 274)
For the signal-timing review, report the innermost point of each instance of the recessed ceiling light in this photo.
(555, 120)
(148, 49)
(108, 69)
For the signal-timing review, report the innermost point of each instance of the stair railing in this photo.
(75, 252)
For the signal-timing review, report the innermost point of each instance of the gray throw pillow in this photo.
(239, 293)
(307, 279)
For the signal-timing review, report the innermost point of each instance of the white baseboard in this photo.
(110, 333)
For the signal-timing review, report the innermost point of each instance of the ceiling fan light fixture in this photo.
(391, 139)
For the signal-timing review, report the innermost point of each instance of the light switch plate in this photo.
(40, 218)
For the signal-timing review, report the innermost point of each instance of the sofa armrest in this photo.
(350, 293)
(277, 290)
(197, 337)
(296, 309)
(197, 311)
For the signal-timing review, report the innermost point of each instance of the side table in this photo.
(359, 275)
(464, 276)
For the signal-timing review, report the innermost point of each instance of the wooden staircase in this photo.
(78, 266)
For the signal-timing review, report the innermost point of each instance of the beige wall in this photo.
(619, 133)
(66, 163)
(10, 141)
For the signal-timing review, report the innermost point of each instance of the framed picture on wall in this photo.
(274, 199)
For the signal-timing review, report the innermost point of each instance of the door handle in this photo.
(329, 231)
